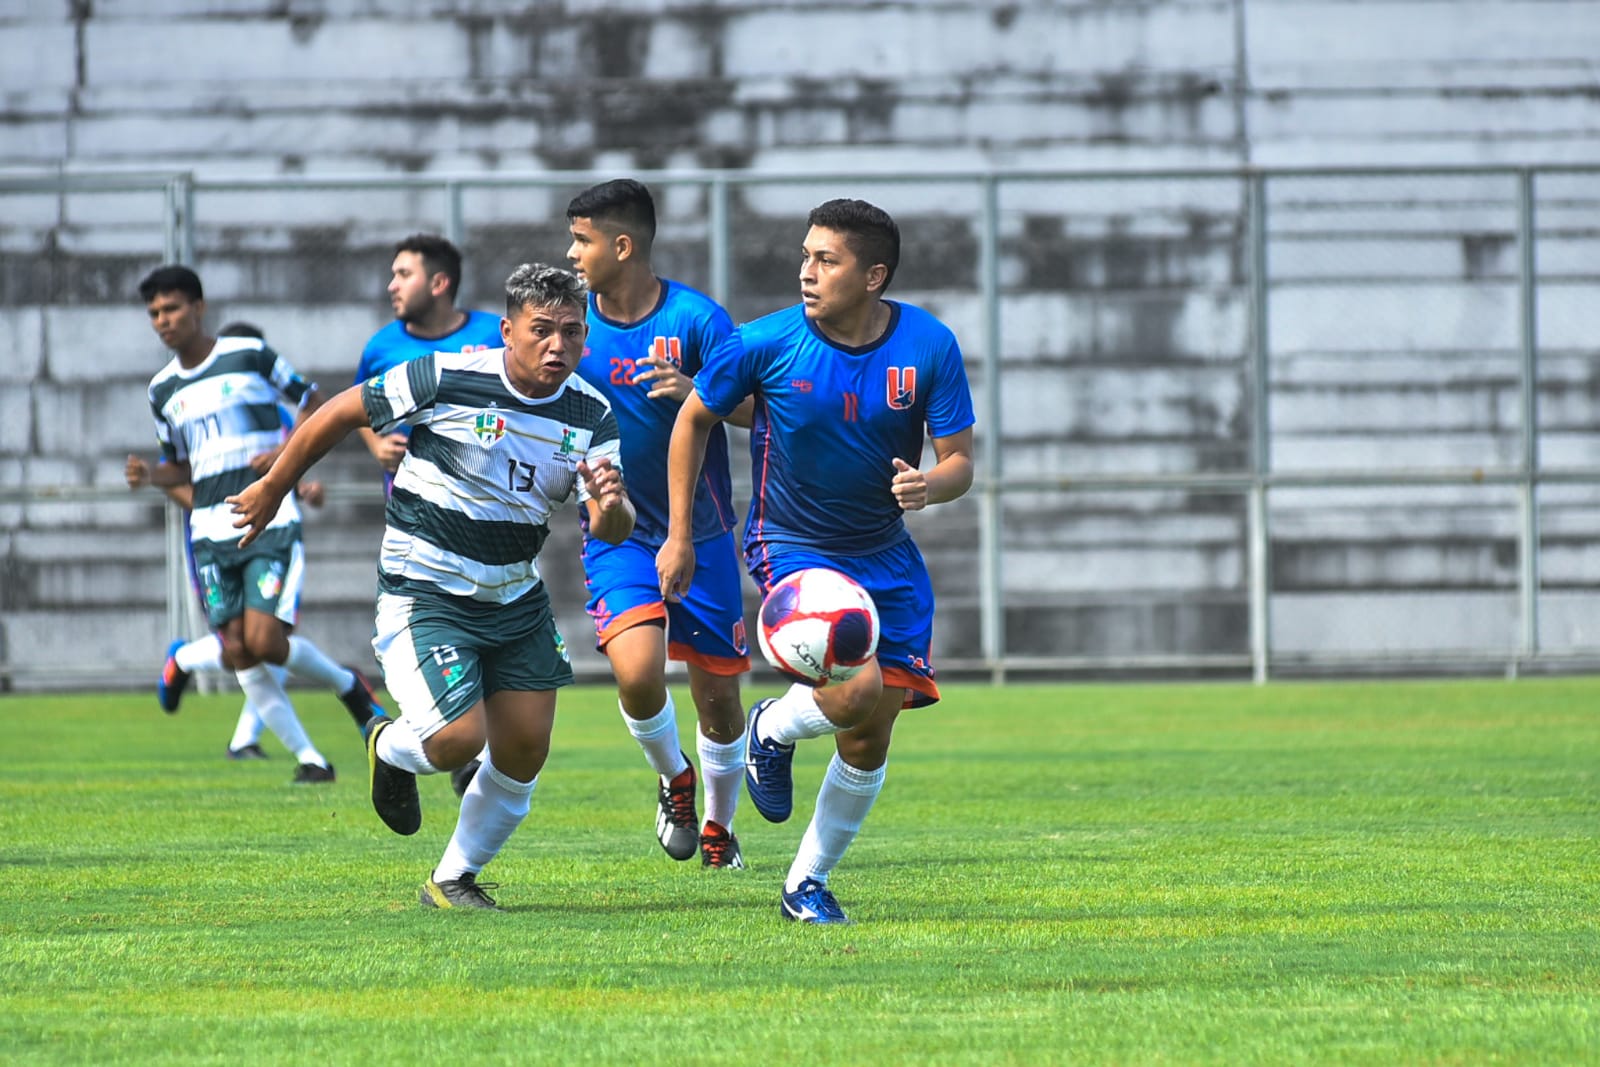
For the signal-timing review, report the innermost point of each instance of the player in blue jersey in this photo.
(647, 338)
(215, 408)
(846, 384)
(424, 279)
(464, 630)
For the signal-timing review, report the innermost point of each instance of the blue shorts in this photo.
(706, 629)
(898, 580)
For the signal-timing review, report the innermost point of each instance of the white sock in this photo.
(308, 661)
(399, 746)
(842, 805)
(204, 654)
(272, 704)
(795, 716)
(248, 729)
(492, 808)
(722, 771)
(658, 736)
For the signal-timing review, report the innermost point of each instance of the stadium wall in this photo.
(1125, 305)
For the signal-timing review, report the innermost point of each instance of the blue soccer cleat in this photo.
(173, 680)
(812, 903)
(768, 770)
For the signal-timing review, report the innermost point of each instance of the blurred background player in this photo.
(647, 338)
(464, 630)
(424, 279)
(845, 383)
(215, 406)
(205, 654)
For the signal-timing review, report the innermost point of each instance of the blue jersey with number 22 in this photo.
(830, 420)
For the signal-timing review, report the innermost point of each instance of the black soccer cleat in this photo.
(463, 892)
(172, 681)
(251, 751)
(677, 823)
(394, 791)
(719, 848)
(312, 774)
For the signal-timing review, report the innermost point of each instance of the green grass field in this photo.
(1344, 873)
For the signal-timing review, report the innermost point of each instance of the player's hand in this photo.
(262, 462)
(675, 568)
(666, 380)
(603, 482)
(137, 472)
(389, 449)
(910, 486)
(255, 505)
(311, 492)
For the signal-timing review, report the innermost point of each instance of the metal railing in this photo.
(180, 192)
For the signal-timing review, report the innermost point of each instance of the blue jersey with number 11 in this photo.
(830, 420)
(684, 327)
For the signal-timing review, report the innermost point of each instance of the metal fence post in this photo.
(1528, 554)
(720, 250)
(991, 598)
(1258, 523)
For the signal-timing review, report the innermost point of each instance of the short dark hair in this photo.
(540, 286)
(171, 279)
(622, 203)
(241, 328)
(868, 231)
(439, 256)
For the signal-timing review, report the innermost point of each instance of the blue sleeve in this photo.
(950, 402)
(364, 368)
(710, 333)
(728, 375)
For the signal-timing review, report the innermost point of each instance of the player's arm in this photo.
(611, 513)
(166, 475)
(685, 456)
(947, 479)
(312, 439)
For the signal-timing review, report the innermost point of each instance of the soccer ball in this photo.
(818, 626)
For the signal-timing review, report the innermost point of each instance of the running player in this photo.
(846, 383)
(464, 631)
(215, 407)
(647, 338)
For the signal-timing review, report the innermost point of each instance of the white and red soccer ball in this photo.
(818, 626)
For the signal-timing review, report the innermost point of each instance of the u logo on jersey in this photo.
(669, 349)
(902, 387)
(489, 428)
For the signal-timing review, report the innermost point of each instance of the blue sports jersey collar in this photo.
(888, 332)
(618, 324)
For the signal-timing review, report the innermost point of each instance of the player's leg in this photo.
(630, 619)
(221, 590)
(849, 788)
(898, 581)
(497, 800)
(707, 632)
(520, 678)
(431, 667)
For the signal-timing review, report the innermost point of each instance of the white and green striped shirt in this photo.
(217, 416)
(484, 469)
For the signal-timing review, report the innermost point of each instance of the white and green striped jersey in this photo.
(217, 416)
(484, 469)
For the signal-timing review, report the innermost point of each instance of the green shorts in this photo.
(442, 654)
(264, 577)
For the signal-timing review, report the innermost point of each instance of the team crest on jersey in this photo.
(489, 428)
(902, 387)
(669, 349)
(569, 441)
